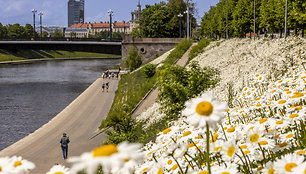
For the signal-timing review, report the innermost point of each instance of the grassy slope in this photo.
(6, 55)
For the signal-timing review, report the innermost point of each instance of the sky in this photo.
(55, 11)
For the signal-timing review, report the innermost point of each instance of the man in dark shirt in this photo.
(64, 145)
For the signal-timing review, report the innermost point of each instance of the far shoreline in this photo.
(54, 59)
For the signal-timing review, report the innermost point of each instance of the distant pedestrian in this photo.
(119, 69)
(107, 86)
(103, 86)
(113, 75)
(117, 75)
(64, 145)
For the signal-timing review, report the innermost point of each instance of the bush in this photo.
(149, 70)
(177, 85)
(133, 59)
(197, 49)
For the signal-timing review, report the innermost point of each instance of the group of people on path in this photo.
(105, 85)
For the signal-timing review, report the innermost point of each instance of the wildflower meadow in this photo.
(262, 132)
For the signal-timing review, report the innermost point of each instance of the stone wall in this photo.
(148, 48)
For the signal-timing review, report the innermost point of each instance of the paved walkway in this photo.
(151, 98)
(79, 120)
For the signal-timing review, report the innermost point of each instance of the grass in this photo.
(131, 89)
(7, 55)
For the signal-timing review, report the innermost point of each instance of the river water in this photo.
(32, 94)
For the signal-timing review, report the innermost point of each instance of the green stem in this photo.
(207, 148)
(224, 132)
(199, 166)
(177, 164)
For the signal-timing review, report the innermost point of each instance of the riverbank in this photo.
(54, 59)
(8, 56)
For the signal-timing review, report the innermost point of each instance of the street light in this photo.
(34, 11)
(286, 18)
(226, 19)
(180, 18)
(40, 15)
(110, 13)
(254, 17)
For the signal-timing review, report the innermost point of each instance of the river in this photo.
(32, 94)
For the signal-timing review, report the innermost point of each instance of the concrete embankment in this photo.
(79, 120)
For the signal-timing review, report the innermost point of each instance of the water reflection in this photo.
(32, 94)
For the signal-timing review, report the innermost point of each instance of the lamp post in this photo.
(254, 18)
(187, 25)
(110, 13)
(226, 19)
(180, 18)
(286, 18)
(40, 21)
(34, 11)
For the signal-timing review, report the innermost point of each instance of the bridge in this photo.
(87, 46)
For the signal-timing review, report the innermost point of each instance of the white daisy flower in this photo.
(21, 165)
(5, 166)
(110, 156)
(58, 169)
(204, 109)
(288, 163)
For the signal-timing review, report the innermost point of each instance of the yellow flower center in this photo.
(225, 173)
(145, 169)
(198, 137)
(174, 167)
(106, 150)
(293, 115)
(204, 108)
(258, 105)
(232, 129)
(271, 171)
(263, 142)
(301, 152)
(246, 152)
(166, 130)
(243, 146)
(0, 168)
(262, 120)
(297, 95)
(169, 162)
(283, 144)
(217, 148)
(279, 122)
(59, 173)
(17, 163)
(290, 166)
(281, 102)
(186, 133)
(231, 151)
(203, 172)
(254, 138)
(289, 136)
(160, 171)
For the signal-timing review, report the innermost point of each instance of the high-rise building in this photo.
(75, 12)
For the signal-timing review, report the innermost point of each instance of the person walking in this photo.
(64, 145)
(107, 86)
(103, 86)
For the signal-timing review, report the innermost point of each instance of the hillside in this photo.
(240, 59)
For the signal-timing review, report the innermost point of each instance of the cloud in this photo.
(12, 6)
(102, 16)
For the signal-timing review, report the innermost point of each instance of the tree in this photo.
(45, 34)
(3, 31)
(243, 17)
(28, 31)
(58, 33)
(73, 34)
(133, 59)
(161, 19)
(297, 14)
(15, 31)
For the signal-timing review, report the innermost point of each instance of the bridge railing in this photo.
(62, 39)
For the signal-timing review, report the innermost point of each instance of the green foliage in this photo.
(197, 49)
(58, 33)
(269, 13)
(133, 60)
(177, 85)
(149, 70)
(178, 52)
(161, 19)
